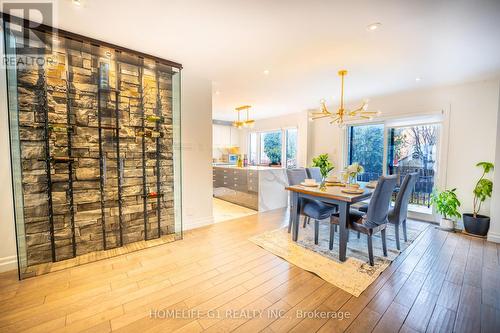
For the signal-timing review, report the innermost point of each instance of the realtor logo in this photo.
(22, 23)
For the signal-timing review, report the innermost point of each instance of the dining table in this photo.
(332, 195)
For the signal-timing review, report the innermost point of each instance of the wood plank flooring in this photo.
(218, 281)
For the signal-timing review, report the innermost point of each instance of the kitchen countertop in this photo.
(250, 167)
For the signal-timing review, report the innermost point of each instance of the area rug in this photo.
(355, 274)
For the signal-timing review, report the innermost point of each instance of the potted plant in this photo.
(446, 204)
(325, 167)
(353, 171)
(475, 223)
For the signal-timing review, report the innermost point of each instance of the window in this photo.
(252, 156)
(277, 147)
(270, 148)
(414, 149)
(291, 148)
(366, 146)
(410, 148)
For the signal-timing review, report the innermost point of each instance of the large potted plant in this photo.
(446, 204)
(475, 223)
(325, 167)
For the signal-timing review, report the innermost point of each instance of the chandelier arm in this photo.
(320, 117)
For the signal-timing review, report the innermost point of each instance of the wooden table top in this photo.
(333, 192)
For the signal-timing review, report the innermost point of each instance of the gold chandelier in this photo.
(342, 115)
(243, 123)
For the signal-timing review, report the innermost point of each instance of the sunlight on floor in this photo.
(224, 211)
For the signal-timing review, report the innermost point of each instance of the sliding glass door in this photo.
(414, 149)
(384, 149)
(366, 146)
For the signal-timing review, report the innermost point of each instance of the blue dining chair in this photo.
(309, 208)
(375, 220)
(399, 213)
(314, 173)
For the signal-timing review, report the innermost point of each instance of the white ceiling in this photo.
(302, 43)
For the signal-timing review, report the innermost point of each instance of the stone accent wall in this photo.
(138, 98)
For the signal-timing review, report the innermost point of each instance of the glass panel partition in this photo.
(15, 154)
(95, 152)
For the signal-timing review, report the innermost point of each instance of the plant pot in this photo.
(446, 224)
(478, 225)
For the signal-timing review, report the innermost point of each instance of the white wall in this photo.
(298, 120)
(494, 233)
(196, 111)
(471, 112)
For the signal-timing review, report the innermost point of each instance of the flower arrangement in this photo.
(354, 170)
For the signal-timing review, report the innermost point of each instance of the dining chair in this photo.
(314, 173)
(309, 208)
(295, 177)
(399, 213)
(375, 220)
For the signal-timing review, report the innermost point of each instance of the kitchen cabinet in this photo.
(225, 136)
(259, 188)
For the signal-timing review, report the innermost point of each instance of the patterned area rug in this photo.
(355, 274)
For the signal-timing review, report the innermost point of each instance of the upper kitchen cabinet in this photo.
(225, 136)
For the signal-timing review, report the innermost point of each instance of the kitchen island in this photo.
(257, 187)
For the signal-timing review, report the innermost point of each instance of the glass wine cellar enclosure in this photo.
(95, 150)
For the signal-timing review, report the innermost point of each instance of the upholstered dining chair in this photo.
(309, 208)
(399, 213)
(295, 177)
(375, 220)
(314, 173)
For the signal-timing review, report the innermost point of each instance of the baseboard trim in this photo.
(8, 263)
(493, 237)
(190, 224)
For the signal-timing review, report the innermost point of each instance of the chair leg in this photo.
(370, 249)
(384, 242)
(316, 231)
(404, 231)
(308, 220)
(396, 229)
(359, 234)
(336, 226)
(332, 235)
(348, 232)
(305, 221)
(290, 221)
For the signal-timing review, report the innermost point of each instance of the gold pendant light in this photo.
(243, 123)
(342, 115)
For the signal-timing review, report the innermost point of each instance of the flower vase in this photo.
(322, 185)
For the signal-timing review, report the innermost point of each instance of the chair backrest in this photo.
(403, 197)
(314, 173)
(378, 208)
(296, 176)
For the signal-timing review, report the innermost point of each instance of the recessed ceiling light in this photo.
(418, 79)
(266, 72)
(373, 26)
(77, 2)
(217, 92)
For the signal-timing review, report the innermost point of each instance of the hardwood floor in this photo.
(443, 282)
